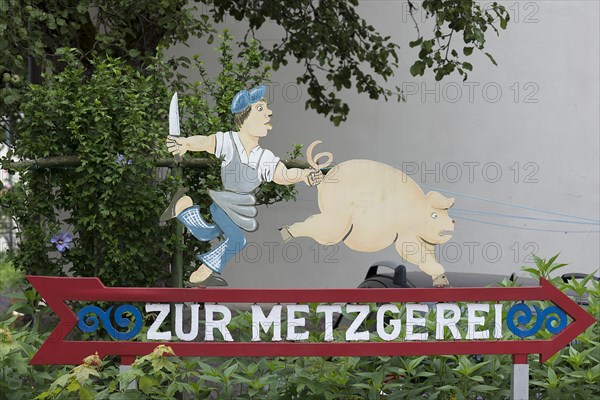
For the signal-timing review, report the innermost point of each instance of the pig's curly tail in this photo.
(313, 161)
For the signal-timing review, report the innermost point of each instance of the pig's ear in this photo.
(436, 200)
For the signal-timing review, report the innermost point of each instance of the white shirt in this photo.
(265, 159)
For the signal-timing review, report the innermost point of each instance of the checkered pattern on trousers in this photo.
(214, 258)
(193, 217)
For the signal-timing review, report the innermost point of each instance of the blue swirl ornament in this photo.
(545, 317)
(89, 318)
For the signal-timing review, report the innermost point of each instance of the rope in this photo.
(523, 227)
(511, 205)
(492, 214)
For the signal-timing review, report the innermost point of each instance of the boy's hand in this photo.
(176, 145)
(313, 177)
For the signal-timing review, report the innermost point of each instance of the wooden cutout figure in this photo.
(369, 206)
(245, 165)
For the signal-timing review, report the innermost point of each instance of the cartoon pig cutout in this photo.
(370, 205)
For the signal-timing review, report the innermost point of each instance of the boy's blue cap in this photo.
(244, 98)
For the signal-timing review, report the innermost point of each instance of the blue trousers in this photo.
(234, 241)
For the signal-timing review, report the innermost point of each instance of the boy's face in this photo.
(257, 123)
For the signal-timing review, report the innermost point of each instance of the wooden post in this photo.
(177, 261)
(177, 264)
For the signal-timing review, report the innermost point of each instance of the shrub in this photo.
(18, 380)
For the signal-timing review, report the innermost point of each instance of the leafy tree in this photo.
(327, 37)
(334, 44)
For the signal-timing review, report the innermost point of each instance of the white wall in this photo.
(533, 119)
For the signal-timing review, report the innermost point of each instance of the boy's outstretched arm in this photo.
(181, 145)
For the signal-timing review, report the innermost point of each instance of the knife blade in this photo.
(174, 121)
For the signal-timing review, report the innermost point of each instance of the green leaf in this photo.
(448, 388)
(483, 388)
(73, 386)
(147, 384)
(552, 259)
(552, 378)
(210, 378)
(416, 43)
(491, 58)
(468, 51)
(128, 395)
(62, 380)
(229, 371)
(361, 385)
(85, 394)
(418, 68)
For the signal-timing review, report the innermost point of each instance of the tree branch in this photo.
(74, 161)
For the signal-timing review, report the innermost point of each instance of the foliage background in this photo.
(115, 120)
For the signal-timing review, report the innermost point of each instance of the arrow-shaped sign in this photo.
(57, 350)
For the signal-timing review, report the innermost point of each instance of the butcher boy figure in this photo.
(245, 165)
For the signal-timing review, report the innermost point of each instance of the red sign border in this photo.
(56, 290)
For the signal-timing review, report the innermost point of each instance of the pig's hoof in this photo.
(440, 281)
(285, 234)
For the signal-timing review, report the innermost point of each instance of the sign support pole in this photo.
(519, 382)
(177, 262)
(125, 366)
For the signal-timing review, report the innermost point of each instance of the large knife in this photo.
(174, 122)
